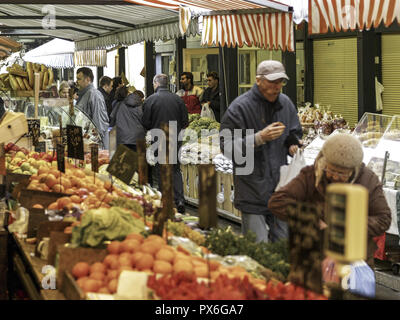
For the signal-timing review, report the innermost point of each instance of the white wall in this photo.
(134, 64)
(109, 70)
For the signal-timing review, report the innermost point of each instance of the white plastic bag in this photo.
(290, 171)
(206, 111)
(362, 279)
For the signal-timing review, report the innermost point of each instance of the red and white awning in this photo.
(344, 15)
(271, 31)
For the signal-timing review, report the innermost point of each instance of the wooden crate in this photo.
(67, 258)
(193, 181)
(227, 181)
(36, 217)
(220, 188)
(27, 198)
(46, 228)
(185, 180)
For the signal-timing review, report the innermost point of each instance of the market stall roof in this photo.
(339, 15)
(56, 53)
(59, 53)
(265, 24)
(71, 21)
(8, 46)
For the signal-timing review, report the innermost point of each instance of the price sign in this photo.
(60, 157)
(123, 164)
(33, 130)
(75, 142)
(94, 155)
(41, 147)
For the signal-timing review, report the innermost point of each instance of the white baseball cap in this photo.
(272, 70)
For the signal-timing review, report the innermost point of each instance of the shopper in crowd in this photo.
(63, 92)
(117, 83)
(140, 94)
(276, 129)
(91, 102)
(127, 117)
(191, 94)
(211, 94)
(339, 161)
(105, 87)
(162, 107)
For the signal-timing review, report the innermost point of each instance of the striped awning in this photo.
(235, 22)
(271, 31)
(344, 15)
(91, 58)
(200, 4)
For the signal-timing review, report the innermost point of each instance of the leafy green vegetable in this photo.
(273, 256)
(99, 225)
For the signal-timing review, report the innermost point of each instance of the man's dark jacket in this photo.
(213, 97)
(164, 106)
(252, 111)
(107, 99)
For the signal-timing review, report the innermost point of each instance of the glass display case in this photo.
(49, 111)
(388, 149)
(370, 130)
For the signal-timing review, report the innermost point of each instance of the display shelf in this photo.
(220, 212)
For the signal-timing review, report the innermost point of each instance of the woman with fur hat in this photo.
(339, 161)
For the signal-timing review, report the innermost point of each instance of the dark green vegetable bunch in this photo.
(273, 256)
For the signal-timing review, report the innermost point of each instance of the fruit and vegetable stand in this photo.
(99, 229)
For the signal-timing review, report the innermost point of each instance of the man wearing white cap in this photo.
(276, 131)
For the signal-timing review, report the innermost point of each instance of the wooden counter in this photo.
(29, 270)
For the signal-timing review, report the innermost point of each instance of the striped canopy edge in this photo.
(344, 15)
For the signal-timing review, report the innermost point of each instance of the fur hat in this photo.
(343, 150)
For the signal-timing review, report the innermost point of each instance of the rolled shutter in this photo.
(335, 76)
(391, 74)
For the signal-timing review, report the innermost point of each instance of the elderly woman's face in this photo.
(337, 174)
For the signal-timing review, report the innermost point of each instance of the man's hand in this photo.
(272, 132)
(293, 149)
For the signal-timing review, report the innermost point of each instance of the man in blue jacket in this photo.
(274, 134)
(162, 107)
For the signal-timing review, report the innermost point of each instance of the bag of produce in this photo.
(206, 111)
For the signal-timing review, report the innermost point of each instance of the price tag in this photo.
(75, 142)
(60, 157)
(33, 130)
(64, 139)
(123, 164)
(41, 147)
(94, 155)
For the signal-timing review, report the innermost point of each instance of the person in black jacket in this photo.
(211, 94)
(105, 87)
(127, 116)
(162, 107)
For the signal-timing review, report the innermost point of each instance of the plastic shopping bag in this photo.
(290, 171)
(362, 279)
(206, 111)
